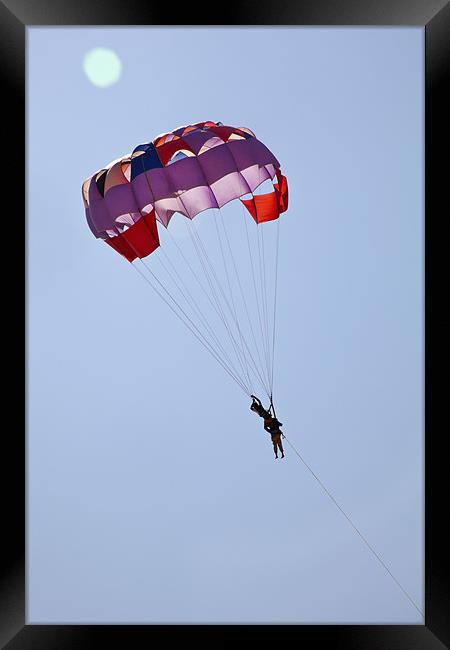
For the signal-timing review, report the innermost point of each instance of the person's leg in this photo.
(274, 442)
(280, 445)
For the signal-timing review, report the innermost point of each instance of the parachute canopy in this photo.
(188, 170)
(221, 282)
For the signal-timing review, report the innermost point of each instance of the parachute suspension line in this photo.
(263, 303)
(262, 277)
(217, 353)
(200, 335)
(207, 327)
(354, 527)
(237, 350)
(253, 278)
(219, 309)
(203, 339)
(225, 298)
(219, 286)
(265, 296)
(243, 339)
(277, 246)
(192, 329)
(214, 341)
(261, 365)
(201, 287)
(198, 310)
(223, 295)
(232, 299)
(244, 301)
(245, 362)
(272, 408)
(195, 243)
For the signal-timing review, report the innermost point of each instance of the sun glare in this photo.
(102, 67)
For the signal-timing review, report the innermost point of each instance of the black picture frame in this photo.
(434, 16)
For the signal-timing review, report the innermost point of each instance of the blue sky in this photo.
(153, 493)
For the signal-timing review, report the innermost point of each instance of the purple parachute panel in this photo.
(189, 170)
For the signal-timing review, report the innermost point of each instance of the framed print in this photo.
(232, 423)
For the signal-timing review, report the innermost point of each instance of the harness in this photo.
(271, 423)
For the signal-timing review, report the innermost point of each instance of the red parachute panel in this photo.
(138, 241)
(267, 207)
